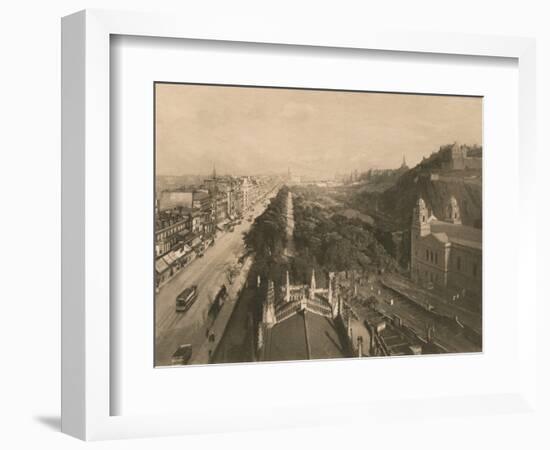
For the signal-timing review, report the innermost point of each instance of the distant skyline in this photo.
(245, 131)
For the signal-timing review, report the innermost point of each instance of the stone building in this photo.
(167, 226)
(445, 253)
(182, 198)
(302, 322)
(245, 197)
(201, 200)
(457, 158)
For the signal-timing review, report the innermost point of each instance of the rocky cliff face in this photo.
(398, 201)
(435, 185)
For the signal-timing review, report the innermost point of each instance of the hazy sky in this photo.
(318, 133)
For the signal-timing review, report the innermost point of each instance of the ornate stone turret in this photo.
(313, 286)
(452, 214)
(334, 297)
(269, 306)
(420, 223)
(287, 287)
(350, 330)
(330, 278)
(420, 228)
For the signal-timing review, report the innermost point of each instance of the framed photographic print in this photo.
(289, 225)
(257, 221)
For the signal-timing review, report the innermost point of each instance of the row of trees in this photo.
(267, 238)
(325, 241)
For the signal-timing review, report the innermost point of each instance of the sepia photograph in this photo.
(297, 224)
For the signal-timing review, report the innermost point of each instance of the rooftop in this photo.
(458, 234)
(301, 337)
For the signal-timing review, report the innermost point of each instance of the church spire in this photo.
(214, 171)
(269, 317)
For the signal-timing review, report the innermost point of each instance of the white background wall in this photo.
(30, 189)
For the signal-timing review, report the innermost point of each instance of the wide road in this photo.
(209, 273)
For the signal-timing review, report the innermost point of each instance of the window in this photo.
(436, 257)
(427, 254)
(474, 270)
(458, 263)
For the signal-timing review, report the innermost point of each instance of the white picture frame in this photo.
(86, 215)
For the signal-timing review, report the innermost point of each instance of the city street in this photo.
(209, 273)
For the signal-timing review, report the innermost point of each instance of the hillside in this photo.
(435, 182)
(398, 201)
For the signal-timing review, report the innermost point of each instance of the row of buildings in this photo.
(187, 219)
(372, 175)
(302, 322)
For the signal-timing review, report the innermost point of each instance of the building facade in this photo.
(167, 229)
(245, 194)
(201, 200)
(458, 159)
(445, 253)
